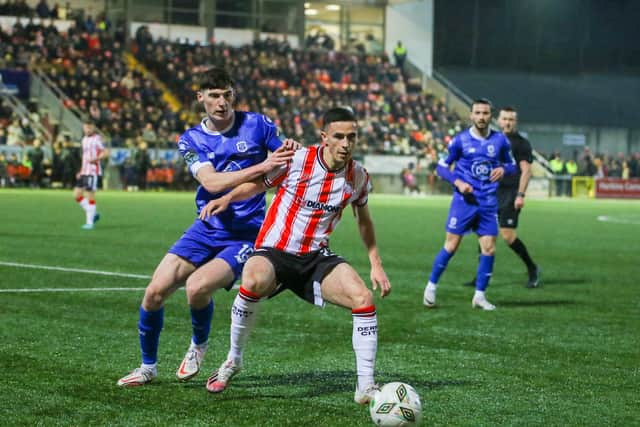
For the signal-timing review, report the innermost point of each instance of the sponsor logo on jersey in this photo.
(190, 157)
(242, 146)
(323, 206)
(481, 170)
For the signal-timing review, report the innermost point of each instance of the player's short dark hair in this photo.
(509, 109)
(215, 78)
(484, 101)
(338, 114)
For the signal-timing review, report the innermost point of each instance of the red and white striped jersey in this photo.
(91, 149)
(309, 203)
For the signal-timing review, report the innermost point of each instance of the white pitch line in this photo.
(74, 270)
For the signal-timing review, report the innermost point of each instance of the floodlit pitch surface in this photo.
(564, 354)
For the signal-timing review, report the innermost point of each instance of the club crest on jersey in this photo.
(242, 146)
(491, 150)
(211, 156)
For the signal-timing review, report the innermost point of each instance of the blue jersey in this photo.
(475, 158)
(244, 144)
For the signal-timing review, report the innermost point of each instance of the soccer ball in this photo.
(395, 405)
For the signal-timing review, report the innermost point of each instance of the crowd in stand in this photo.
(41, 10)
(291, 86)
(294, 86)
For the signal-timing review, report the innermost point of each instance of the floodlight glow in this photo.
(310, 12)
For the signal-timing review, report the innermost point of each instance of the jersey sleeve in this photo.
(193, 157)
(525, 152)
(99, 144)
(454, 153)
(506, 158)
(363, 194)
(276, 176)
(271, 137)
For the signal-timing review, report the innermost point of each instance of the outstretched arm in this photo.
(368, 235)
(215, 182)
(241, 192)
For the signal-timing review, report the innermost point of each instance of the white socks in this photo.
(365, 343)
(243, 317)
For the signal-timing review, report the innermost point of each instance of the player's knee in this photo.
(253, 284)
(196, 288)
(363, 297)
(488, 250)
(153, 299)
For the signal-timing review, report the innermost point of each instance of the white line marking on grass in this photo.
(74, 270)
(620, 219)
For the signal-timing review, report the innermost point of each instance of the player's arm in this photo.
(525, 176)
(241, 192)
(443, 169)
(368, 235)
(104, 153)
(215, 182)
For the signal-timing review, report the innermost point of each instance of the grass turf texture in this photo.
(564, 354)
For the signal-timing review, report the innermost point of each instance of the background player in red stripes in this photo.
(292, 248)
(84, 192)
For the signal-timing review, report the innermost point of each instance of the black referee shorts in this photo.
(507, 213)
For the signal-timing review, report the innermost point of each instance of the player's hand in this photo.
(291, 144)
(463, 187)
(496, 174)
(214, 207)
(278, 158)
(379, 279)
(519, 203)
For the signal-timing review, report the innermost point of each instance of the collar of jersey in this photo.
(324, 165)
(203, 125)
(479, 137)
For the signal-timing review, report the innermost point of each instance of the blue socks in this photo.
(485, 270)
(201, 322)
(439, 265)
(149, 327)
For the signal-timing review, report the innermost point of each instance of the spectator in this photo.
(42, 9)
(36, 157)
(400, 55)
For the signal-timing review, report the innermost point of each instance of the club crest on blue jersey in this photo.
(491, 151)
(242, 146)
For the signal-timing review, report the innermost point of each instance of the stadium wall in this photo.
(198, 34)
(412, 23)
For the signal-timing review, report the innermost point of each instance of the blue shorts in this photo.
(201, 243)
(466, 215)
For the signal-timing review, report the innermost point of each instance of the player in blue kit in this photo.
(226, 149)
(482, 157)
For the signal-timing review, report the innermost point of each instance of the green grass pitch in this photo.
(564, 354)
